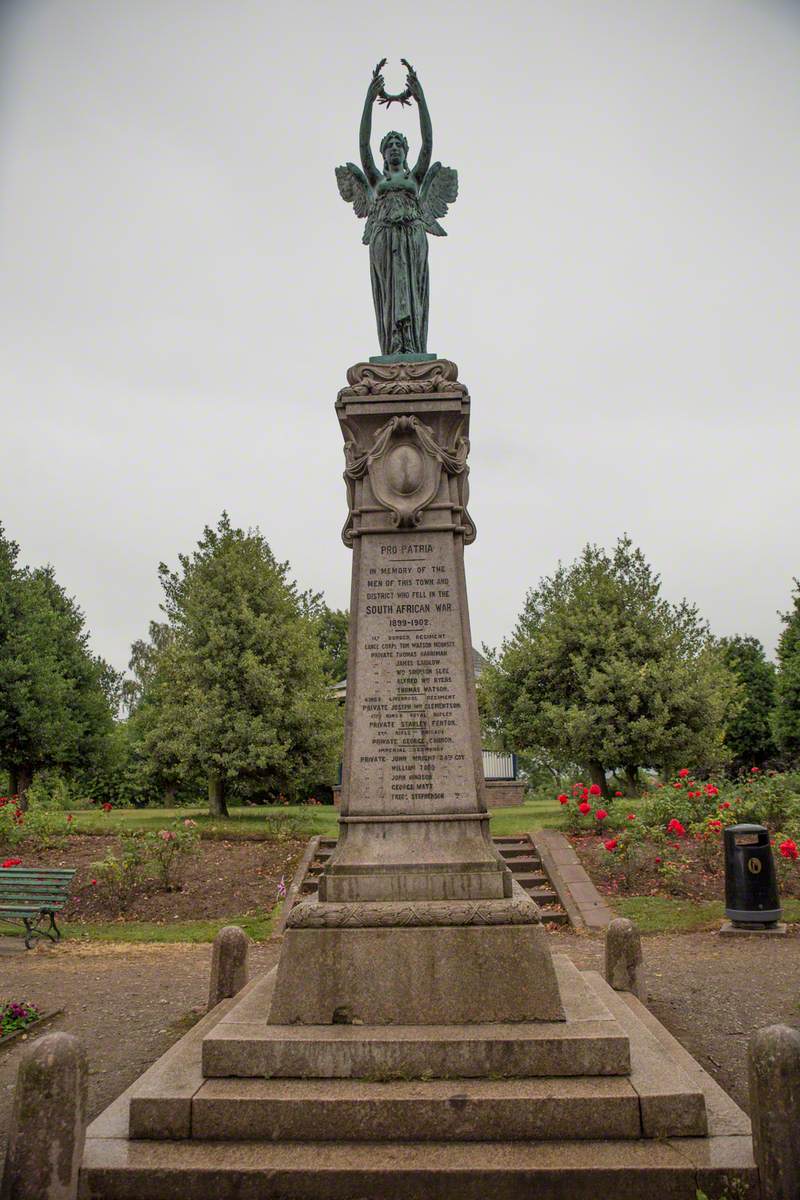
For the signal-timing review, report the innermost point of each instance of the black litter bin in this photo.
(751, 890)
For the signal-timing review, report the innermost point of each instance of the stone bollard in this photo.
(228, 964)
(48, 1123)
(774, 1068)
(624, 965)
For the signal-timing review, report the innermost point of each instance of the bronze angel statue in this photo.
(401, 205)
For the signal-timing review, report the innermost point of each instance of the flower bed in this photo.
(670, 840)
(221, 879)
(16, 1016)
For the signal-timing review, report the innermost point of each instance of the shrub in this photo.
(121, 875)
(282, 826)
(41, 829)
(787, 863)
(11, 822)
(50, 790)
(164, 848)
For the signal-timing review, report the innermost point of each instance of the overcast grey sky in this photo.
(182, 289)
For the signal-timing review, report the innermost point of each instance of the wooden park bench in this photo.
(31, 895)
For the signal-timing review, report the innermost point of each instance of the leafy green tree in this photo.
(143, 664)
(749, 734)
(331, 626)
(239, 693)
(786, 717)
(601, 670)
(56, 697)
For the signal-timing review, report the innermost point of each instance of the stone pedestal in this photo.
(398, 931)
(413, 819)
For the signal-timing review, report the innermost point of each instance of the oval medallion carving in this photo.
(404, 469)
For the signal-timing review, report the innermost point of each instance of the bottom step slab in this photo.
(115, 1169)
(461, 1110)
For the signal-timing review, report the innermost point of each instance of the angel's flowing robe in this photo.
(398, 255)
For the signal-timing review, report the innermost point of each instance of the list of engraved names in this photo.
(411, 735)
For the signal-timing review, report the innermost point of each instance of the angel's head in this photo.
(394, 148)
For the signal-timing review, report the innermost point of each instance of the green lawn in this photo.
(663, 914)
(297, 820)
(258, 928)
(300, 820)
(527, 817)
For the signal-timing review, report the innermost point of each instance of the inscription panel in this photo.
(410, 749)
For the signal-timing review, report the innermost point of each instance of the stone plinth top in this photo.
(402, 379)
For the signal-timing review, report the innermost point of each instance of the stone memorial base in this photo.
(604, 1105)
(434, 975)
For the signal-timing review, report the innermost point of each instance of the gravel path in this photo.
(713, 993)
(129, 1003)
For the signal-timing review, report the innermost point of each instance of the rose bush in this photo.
(673, 842)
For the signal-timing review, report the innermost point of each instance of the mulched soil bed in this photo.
(223, 879)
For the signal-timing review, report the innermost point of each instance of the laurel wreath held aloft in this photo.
(387, 98)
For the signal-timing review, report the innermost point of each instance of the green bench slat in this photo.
(28, 909)
(35, 885)
(20, 890)
(37, 870)
(38, 885)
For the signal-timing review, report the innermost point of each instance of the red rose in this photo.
(683, 773)
(601, 814)
(584, 807)
(788, 849)
(725, 804)
(657, 859)
(611, 844)
(594, 790)
(754, 771)
(563, 799)
(617, 793)
(676, 828)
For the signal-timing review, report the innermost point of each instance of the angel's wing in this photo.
(439, 190)
(355, 189)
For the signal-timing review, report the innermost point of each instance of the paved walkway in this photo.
(584, 904)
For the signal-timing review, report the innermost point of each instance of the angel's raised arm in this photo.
(367, 161)
(425, 126)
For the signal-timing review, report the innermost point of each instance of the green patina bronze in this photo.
(401, 205)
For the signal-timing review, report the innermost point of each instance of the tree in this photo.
(601, 670)
(332, 626)
(786, 716)
(749, 734)
(155, 724)
(55, 695)
(239, 693)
